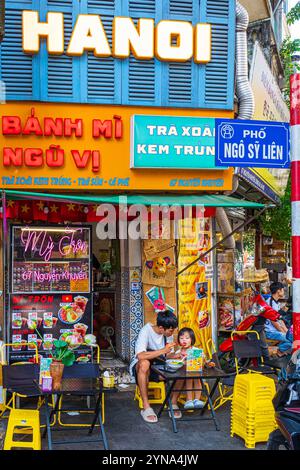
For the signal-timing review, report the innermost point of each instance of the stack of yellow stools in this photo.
(252, 411)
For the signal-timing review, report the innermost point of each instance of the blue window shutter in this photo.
(147, 7)
(102, 4)
(141, 79)
(218, 8)
(102, 76)
(62, 71)
(183, 8)
(219, 73)
(16, 68)
(181, 77)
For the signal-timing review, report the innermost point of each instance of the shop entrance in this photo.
(62, 282)
(105, 270)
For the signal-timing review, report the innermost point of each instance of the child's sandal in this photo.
(189, 405)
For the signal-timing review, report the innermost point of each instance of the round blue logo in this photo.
(227, 131)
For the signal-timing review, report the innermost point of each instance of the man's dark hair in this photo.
(167, 320)
(275, 286)
(190, 333)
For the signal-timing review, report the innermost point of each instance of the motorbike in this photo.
(259, 308)
(287, 408)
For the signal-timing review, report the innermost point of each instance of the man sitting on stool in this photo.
(153, 341)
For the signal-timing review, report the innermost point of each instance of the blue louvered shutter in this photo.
(61, 72)
(115, 81)
(141, 79)
(219, 73)
(16, 68)
(181, 77)
(103, 75)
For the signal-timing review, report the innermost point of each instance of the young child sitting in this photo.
(186, 341)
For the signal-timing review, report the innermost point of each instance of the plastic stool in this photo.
(156, 393)
(24, 419)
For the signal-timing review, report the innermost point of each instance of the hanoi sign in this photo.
(255, 144)
(169, 40)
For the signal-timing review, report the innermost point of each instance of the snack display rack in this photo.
(274, 257)
(234, 293)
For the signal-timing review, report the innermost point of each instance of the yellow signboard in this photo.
(87, 147)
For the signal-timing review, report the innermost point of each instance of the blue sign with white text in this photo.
(178, 142)
(258, 144)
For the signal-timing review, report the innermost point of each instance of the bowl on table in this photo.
(174, 364)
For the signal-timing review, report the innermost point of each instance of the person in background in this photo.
(277, 330)
(152, 342)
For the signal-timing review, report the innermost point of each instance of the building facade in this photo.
(90, 115)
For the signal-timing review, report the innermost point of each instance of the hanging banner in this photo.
(269, 103)
(194, 286)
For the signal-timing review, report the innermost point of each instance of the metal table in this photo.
(181, 374)
(76, 387)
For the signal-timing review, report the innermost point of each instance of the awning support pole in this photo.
(4, 265)
(244, 224)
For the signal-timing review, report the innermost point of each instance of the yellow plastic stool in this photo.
(23, 422)
(156, 393)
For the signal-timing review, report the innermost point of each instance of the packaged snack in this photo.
(48, 320)
(47, 384)
(32, 320)
(17, 342)
(32, 340)
(47, 342)
(16, 320)
(195, 359)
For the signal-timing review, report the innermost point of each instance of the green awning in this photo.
(207, 200)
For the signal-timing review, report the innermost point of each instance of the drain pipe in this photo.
(243, 88)
(246, 104)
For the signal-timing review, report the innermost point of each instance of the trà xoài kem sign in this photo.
(178, 142)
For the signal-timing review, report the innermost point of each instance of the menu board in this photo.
(50, 259)
(41, 319)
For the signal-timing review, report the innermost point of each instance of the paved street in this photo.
(126, 430)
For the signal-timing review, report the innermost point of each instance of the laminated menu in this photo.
(194, 360)
(45, 368)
